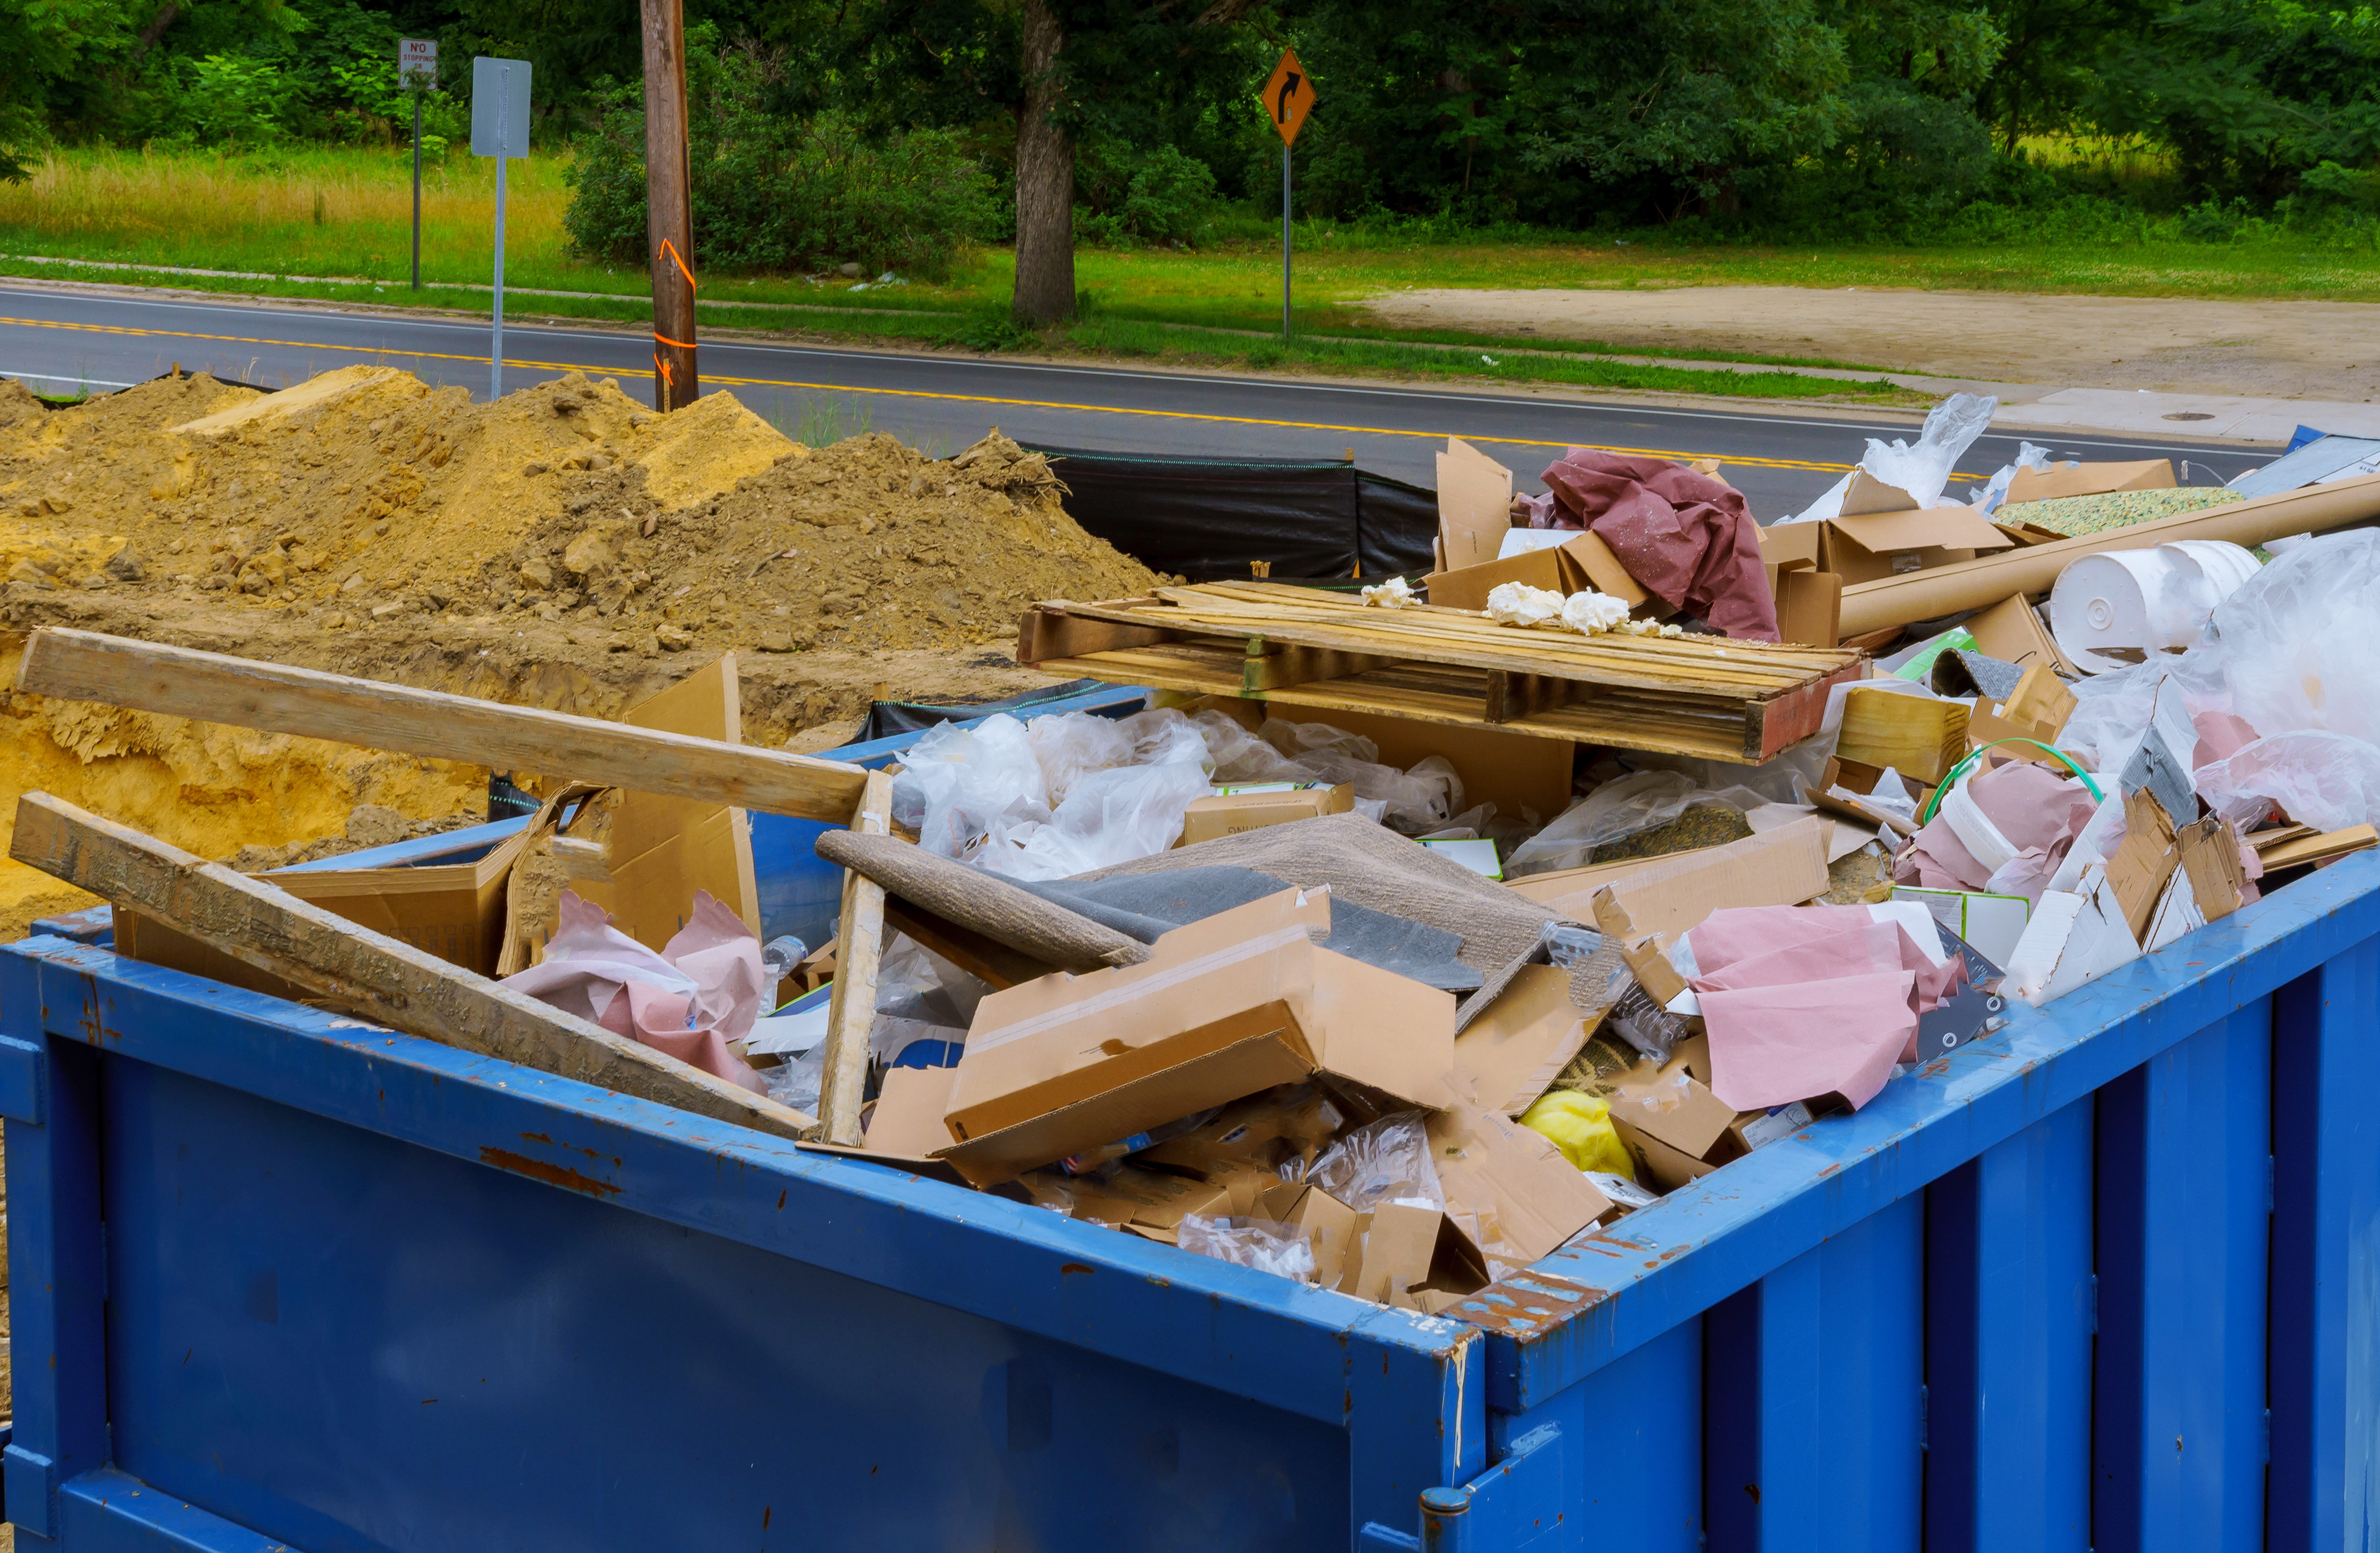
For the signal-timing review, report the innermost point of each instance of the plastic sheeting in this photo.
(1206, 519)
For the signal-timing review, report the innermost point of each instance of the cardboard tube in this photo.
(1973, 585)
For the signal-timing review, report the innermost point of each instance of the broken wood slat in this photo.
(851, 1007)
(212, 687)
(380, 978)
(2318, 848)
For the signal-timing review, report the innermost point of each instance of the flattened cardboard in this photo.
(2144, 862)
(1511, 1053)
(1809, 606)
(907, 1121)
(1578, 564)
(1513, 1187)
(2210, 858)
(2089, 479)
(2075, 937)
(2011, 632)
(1224, 1008)
(1868, 495)
(1394, 1251)
(1474, 504)
(1231, 814)
(1780, 867)
(1570, 891)
(2298, 851)
(1330, 1225)
(1148, 1203)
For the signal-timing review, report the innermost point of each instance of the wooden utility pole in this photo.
(669, 205)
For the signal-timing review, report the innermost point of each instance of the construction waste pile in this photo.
(1407, 933)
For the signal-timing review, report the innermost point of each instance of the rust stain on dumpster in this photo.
(1526, 1304)
(553, 1175)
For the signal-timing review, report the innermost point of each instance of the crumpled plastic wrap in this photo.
(1383, 1161)
(2327, 781)
(1620, 808)
(1921, 471)
(2283, 690)
(1262, 1244)
(1414, 801)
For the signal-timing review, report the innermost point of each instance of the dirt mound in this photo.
(366, 493)
(563, 548)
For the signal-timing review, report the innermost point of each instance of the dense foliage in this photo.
(884, 130)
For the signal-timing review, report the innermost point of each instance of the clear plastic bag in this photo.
(1418, 801)
(1262, 1244)
(1990, 497)
(1618, 809)
(2327, 781)
(2285, 650)
(1567, 944)
(1381, 1161)
(1924, 471)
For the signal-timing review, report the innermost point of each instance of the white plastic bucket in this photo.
(2143, 600)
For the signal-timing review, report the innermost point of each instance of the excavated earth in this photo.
(563, 546)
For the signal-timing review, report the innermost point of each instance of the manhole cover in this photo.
(2190, 415)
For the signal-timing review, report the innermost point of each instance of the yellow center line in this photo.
(925, 393)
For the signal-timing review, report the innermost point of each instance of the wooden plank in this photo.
(851, 1009)
(380, 978)
(1047, 633)
(2318, 849)
(212, 687)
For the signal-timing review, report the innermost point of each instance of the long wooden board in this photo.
(381, 979)
(212, 687)
(851, 1007)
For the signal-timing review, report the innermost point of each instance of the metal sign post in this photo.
(417, 72)
(499, 129)
(1288, 98)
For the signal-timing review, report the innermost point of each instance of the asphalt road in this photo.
(61, 340)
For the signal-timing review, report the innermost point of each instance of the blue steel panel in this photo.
(1657, 1268)
(2179, 1432)
(1811, 1410)
(311, 1325)
(1224, 1325)
(56, 1275)
(112, 1512)
(1628, 1471)
(24, 1080)
(2326, 1349)
(2008, 1345)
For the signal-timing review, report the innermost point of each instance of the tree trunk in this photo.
(1045, 181)
(669, 209)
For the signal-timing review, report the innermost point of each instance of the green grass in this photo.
(300, 211)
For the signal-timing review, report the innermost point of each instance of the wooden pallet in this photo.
(1706, 695)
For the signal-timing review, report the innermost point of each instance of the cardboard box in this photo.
(1475, 504)
(1570, 891)
(452, 910)
(1330, 1225)
(1665, 1167)
(1511, 1052)
(1228, 814)
(1223, 1008)
(1869, 546)
(1508, 1189)
(2012, 633)
(1148, 1203)
(1395, 1247)
(1670, 1104)
(2089, 479)
(906, 1120)
(1580, 564)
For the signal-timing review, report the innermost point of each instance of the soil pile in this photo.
(364, 493)
(564, 548)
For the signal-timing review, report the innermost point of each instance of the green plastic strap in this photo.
(1977, 753)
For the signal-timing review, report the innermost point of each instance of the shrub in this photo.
(772, 191)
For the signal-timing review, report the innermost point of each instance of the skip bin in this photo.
(2106, 1280)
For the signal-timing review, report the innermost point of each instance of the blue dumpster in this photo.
(2107, 1280)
